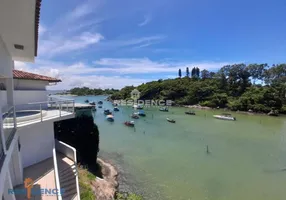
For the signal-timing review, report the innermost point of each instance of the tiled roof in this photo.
(17, 74)
(37, 22)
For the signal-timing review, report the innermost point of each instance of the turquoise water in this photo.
(247, 158)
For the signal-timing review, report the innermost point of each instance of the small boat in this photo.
(170, 120)
(100, 106)
(110, 118)
(164, 109)
(135, 116)
(107, 112)
(140, 107)
(100, 102)
(141, 113)
(129, 123)
(86, 101)
(92, 103)
(191, 112)
(115, 104)
(116, 109)
(225, 116)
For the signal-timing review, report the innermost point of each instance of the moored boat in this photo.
(141, 113)
(225, 116)
(110, 118)
(135, 116)
(116, 109)
(140, 107)
(171, 120)
(86, 101)
(100, 102)
(92, 103)
(129, 123)
(164, 109)
(107, 112)
(190, 112)
(100, 106)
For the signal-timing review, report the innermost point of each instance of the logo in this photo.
(135, 94)
(29, 190)
(28, 184)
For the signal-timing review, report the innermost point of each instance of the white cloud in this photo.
(55, 46)
(82, 74)
(147, 19)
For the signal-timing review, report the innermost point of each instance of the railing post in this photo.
(41, 112)
(60, 107)
(73, 104)
(3, 139)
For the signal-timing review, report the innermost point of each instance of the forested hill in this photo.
(255, 87)
(88, 91)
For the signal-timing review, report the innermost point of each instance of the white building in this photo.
(32, 163)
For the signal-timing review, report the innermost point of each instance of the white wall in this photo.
(21, 84)
(24, 96)
(37, 142)
(6, 63)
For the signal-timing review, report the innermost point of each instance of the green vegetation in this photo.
(85, 184)
(88, 91)
(233, 86)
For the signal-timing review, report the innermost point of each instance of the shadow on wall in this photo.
(82, 134)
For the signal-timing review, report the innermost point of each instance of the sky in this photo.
(114, 43)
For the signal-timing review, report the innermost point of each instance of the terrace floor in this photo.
(43, 175)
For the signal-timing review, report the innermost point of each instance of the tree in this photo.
(193, 73)
(197, 72)
(257, 71)
(180, 73)
(187, 72)
(205, 74)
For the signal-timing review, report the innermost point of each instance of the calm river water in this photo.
(161, 160)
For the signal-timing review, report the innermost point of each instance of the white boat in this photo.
(110, 118)
(225, 116)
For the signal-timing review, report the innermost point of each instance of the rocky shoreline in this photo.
(105, 188)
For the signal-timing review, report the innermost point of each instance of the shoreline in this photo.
(227, 110)
(106, 187)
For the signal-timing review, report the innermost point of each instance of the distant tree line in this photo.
(256, 87)
(89, 91)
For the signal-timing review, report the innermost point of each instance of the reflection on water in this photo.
(247, 158)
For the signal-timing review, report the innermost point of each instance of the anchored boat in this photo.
(171, 120)
(135, 116)
(129, 123)
(116, 109)
(107, 112)
(191, 112)
(164, 109)
(110, 118)
(225, 116)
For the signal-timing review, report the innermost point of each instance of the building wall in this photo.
(6, 63)
(24, 96)
(37, 142)
(21, 84)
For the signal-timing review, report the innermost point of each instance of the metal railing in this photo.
(56, 171)
(40, 111)
(9, 128)
(69, 175)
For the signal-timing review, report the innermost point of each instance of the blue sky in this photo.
(112, 43)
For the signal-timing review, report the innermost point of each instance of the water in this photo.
(246, 159)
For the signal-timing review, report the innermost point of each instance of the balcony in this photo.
(31, 113)
(57, 172)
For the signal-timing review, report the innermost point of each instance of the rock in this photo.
(106, 188)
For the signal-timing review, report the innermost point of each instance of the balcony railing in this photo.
(67, 174)
(41, 111)
(9, 128)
